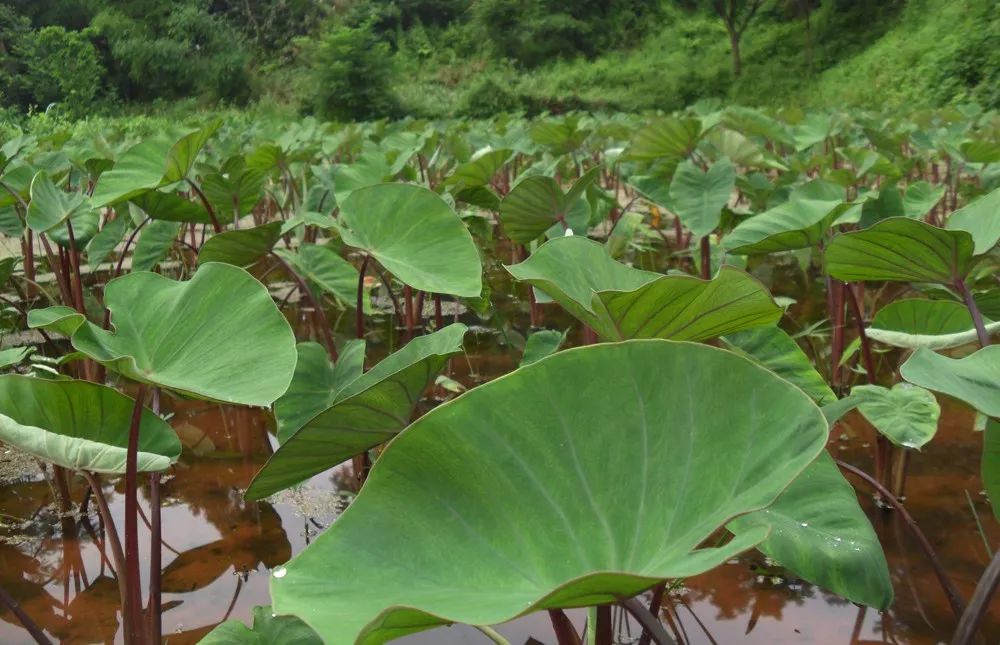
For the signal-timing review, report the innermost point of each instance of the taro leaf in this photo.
(51, 206)
(218, 336)
(268, 629)
(323, 267)
(774, 349)
(86, 225)
(820, 533)
(106, 241)
(414, 234)
(906, 414)
(161, 160)
(368, 411)
(974, 379)
(530, 499)
(984, 152)
(61, 319)
(619, 302)
(991, 464)
(541, 344)
(699, 197)
(981, 219)
(935, 324)
(479, 171)
(237, 191)
(80, 425)
(798, 223)
(920, 198)
(665, 139)
(901, 249)
(14, 356)
(155, 242)
(170, 207)
(7, 266)
(369, 170)
(888, 203)
(316, 384)
(537, 204)
(241, 248)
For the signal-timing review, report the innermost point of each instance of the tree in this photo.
(736, 15)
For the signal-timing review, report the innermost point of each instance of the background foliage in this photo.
(364, 59)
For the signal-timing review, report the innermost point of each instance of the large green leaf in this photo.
(368, 411)
(80, 425)
(665, 139)
(155, 242)
(51, 206)
(921, 197)
(368, 170)
(14, 356)
(619, 302)
(901, 249)
(991, 464)
(218, 336)
(236, 190)
(268, 629)
(820, 533)
(241, 248)
(325, 269)
(906, 414)
(103, 244)
(158, 161)
(974, 379)
(478, 514)
(935, 324)
(698, 197)
(774, 349)
(981, 219)
(798, 223)
(316, 384)
(538, 203)
(412, 232)
(171, 207)
(478, 171)
(541, 344)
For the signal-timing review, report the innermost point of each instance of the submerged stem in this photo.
(133, 623)
(30, 625)
(979, 604)
(954, 599)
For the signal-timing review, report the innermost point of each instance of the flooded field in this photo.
(218, 548)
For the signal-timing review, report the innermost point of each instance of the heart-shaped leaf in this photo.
(316, 384)
(323, 268)
(538, 203)
(974, 379)
(698, 197)
(218, 336)
(414, 234)
(981, 219)
(774, 349)
(80, 425)
(901, 249)
(268, 629)
(906, 414)
(619, 302)
(541, 344)
(935, 324)
(51, 206)
(158, 161)
(798, 223)
(368, 411)
(241, 248)
(155, 242)
(531, 501)
(821, 534)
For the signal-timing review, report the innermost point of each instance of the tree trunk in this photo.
(734, 43)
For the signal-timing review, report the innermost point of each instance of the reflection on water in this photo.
(217, 548)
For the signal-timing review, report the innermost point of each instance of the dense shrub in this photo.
(175, 51)
(349, 74)
(535, 31)
(50, 65)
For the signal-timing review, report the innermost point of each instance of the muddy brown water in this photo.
(218, 548)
